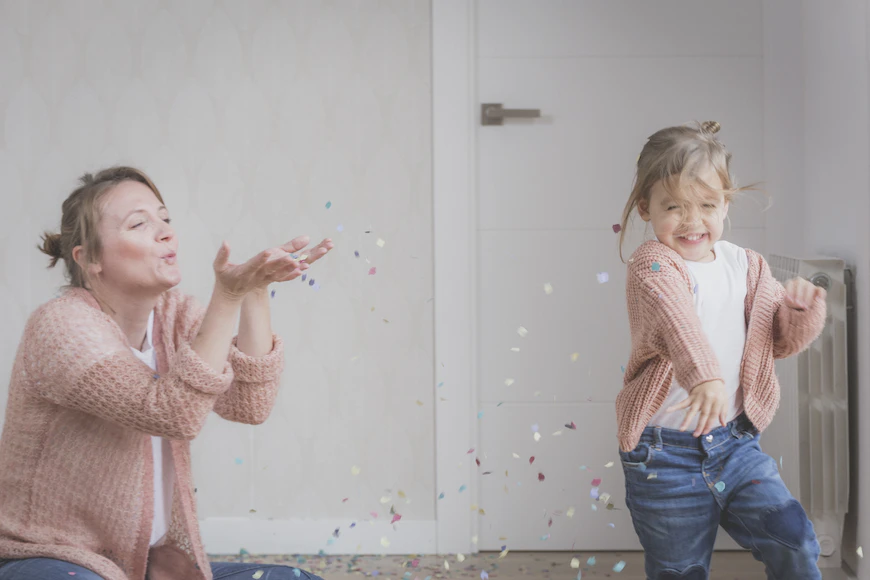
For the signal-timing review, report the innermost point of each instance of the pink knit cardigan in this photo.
(667, 339)
(76, 472)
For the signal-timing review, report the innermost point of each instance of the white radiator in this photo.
(822, 410)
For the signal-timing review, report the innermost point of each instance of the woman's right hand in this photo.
(234, 281)
(711, 401)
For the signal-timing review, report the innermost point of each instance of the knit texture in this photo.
(667, 339)
(76, 470)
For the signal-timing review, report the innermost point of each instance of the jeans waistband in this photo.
(658, 436)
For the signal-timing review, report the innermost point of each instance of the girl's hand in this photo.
(708, 399)
(800, 293)
(234, 281)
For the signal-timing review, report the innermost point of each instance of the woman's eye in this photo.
(672, 207)
(168, 220)
(139, 224)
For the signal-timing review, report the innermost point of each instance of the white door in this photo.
(605, 75)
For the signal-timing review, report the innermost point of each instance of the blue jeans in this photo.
(48, 569)
(680, 489)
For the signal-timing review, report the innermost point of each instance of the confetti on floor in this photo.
(619, 566)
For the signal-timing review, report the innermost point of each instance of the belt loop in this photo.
(657, 434)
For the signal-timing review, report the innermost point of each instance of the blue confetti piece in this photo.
(591, 561)
(593, 493)
(330, 541)
(535, 428)
(304, 277)
(244, 552)
(579, 575)
(311, 282)
(353, 525)
(696, 289)
(273, 293)
(612, 526)
(441, 384)
(355, 253)
(441, 495)
(656, 266)
(340, 228)
(623, 369)
(239, 461)
(376, 573)
(462, 488)
(480, 414)
(294, 256)
(156, 376)
(619, 566)
(407, 576)
(720, 487)
(328, 204)
(316, 287)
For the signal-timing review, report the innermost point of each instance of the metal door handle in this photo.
(495, 114)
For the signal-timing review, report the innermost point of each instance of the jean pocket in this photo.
(640, 455)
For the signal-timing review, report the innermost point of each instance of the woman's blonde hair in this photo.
(676, 156)
(80, 220)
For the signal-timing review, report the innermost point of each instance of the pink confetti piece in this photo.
(617, 228)
(541, 477)
(373, 271)
(396, 518)
(374, 514)
(470, 451)
(596, 482)
(531, 459)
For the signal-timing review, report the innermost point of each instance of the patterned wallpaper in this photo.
(252, 117)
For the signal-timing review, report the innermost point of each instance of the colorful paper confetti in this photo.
(619, 566)
(373, 271)
(603, 277)
(380, 243)
(617, 228)
(720, 486)
(575, 563)
(354, 470)
(656, 266)
(522, 331)
(548, 288)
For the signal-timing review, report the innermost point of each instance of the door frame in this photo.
(454, 195)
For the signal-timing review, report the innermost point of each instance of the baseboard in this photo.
(230, 535)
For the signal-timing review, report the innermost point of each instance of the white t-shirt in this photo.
(164, 474)
(720, 294)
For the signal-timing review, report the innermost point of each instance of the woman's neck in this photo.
(129, 313)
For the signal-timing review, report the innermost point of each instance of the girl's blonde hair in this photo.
(80, 220)
(676, 156)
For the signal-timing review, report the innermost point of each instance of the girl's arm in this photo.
(661, 301)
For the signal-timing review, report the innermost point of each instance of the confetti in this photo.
(571, 425)
(541, 477)
(619, 567)
(548, 288)
(328, 204)
(374, 514)
(340, 228)
(484, 575)
(617, 228)
(441, 384)
(239, 461)
(515, 455)
(603, 277)
(273, 293)
(515, 349)
(570, 512)
(652, 475)
(381, 243)
(545, 537)
(508, 382)
(720, 486)
(596, 482)
(480, 414)
(373, 271)
(385, 542)
(656, 266)
(522, 331)
(355, 253)
(531, 459)
(396, 518)
(503, 553)
(441, 495)
(535, 428)
(446, 565)
(537, 436)
(258, 574)
(575, 356)
(860, 552)
(591, 561)
(462, 488)
(608, 464)
(575, 563)
(460, 557)
(419, 402)
(297, 572)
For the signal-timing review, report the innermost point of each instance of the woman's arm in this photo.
(212, 342)
(255, 326)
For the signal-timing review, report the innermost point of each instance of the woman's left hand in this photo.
(800, 293)
(297, 246)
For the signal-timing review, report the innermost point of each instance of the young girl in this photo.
(707, 321)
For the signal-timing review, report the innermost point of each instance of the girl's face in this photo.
(691, 227)
(139, 245)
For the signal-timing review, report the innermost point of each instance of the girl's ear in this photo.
(643, 210)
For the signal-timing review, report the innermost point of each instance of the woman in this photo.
(112, 381)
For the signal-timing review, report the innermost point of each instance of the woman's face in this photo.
(139, 245)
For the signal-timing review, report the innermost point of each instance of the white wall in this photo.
(817, 142)
(250, 116)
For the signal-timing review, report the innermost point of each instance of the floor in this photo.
(515, 565)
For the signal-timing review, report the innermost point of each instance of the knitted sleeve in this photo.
(254, 389)
(76, 357)
(793, 330)
(661, 302)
